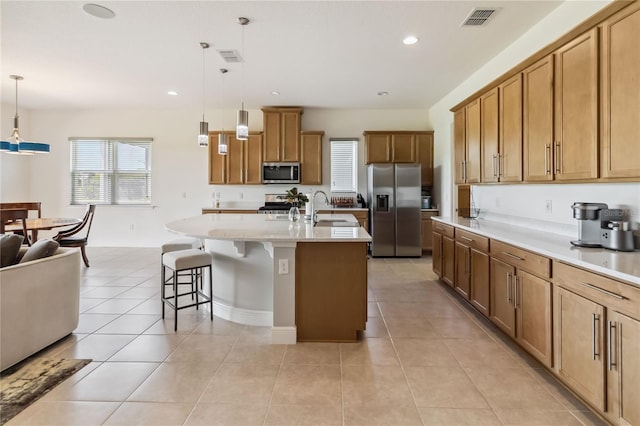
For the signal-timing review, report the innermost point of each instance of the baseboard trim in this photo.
(243, 316)
(284, 335)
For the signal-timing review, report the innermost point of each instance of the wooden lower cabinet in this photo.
(480, 294)
(534, 316)
(462, 282)
(427, 229)
(472, 269)
(331, 291)
(502, 311)
(579, 339)
(444, 252)
(520, 305)
(436, 254)
(623, 369)
(448, 263)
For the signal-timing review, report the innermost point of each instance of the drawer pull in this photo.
(508, 288)
(602, 290)
(512, 256)
(594, 354)
(611, 325)
(466, 238)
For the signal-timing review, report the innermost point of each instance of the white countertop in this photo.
(256, 206)
(621, 265)
(267, 227)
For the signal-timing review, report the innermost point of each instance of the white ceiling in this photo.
(325, 54)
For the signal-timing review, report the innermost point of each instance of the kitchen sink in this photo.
(337, 223)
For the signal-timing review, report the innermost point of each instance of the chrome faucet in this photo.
(312, 207)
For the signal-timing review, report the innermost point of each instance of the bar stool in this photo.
(174, 245)
(194, 261)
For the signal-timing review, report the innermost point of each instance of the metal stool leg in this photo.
(175, 300)
(210, 292)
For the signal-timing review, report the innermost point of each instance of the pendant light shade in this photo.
(223, 144)
(203, 135)
(242, 127)
(14, 144)
(223, 139)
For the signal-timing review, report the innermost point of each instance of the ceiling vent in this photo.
(230, 55)
(479, 16)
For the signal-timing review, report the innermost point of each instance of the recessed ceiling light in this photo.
(98, 11)
(172, 93)
(275, 93)
(383, 93)
(410, 40)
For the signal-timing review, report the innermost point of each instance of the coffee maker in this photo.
(615, 230)
(589, 223)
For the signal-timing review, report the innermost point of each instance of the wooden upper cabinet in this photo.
(377, 147)
(217, 162)
(489, 140)
(281, 128)
(311, 158)
(403, 148)
(459, 144)
(576, 108)
(241, 165)
(620, 95)
(473, 149)
(424, 156)
(510, 125)
(537, 120)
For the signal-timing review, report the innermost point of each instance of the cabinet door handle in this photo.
(508, 287)
(500, 165)
(495, 172)
(515, 291)
(547, 154)
(512, 256)
(610, 325)
(594, 353)
(462, 171)
(466, 238)
(468, 262)
(602, 290)
(556, 158)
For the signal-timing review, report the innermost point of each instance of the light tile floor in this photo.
(425, 359)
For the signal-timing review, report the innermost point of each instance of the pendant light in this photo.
(223, 139)
(14, 144)
(203, 136)
(242, 128)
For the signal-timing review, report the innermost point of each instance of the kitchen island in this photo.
(307, 282)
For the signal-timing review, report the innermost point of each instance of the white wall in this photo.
(523, 200)
(179, 182)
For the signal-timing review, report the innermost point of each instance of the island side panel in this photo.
(331, 291)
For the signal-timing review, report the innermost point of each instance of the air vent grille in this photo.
(230, 55)
(479, 16)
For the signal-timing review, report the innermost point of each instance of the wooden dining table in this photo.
(42, 224)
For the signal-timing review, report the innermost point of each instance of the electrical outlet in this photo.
(131, 227)
(184, 195)
(548, 206)
(241, 195)
(283, 266)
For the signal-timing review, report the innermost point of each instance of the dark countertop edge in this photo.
(584, 264)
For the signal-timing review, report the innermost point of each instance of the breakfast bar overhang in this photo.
(309, 283)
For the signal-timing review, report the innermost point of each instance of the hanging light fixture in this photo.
(242, 128)
(223, 139)
(203, 136)
(14, 143)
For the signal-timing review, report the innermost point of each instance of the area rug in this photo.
(29, 380)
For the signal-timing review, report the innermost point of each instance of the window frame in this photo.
(110, 173)
(354, 165)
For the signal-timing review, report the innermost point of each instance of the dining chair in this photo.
(35, 206)
(78, 235)
(11, 215)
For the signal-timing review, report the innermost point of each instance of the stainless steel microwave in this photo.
(280, 172)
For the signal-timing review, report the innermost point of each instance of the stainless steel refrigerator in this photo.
(393, 192)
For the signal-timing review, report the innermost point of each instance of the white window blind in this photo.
(111, 171)
(344, 165)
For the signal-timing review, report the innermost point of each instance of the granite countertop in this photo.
(621, 265)
(267, 227)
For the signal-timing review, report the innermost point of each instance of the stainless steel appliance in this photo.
(588, 215)
(393, 195)
(280, 172)
(615, 230)
(274, 204)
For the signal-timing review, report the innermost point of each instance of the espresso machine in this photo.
(588, 215)
(600, 226)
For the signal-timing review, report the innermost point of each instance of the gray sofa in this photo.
(39, 304)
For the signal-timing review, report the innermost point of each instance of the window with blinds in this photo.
(111, 171)
(344, 165)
